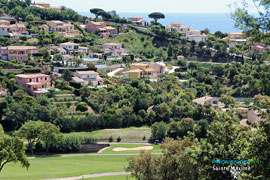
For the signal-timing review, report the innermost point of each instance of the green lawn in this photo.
(156, 148)
(44, 168)
(123, 177)
(128, 135)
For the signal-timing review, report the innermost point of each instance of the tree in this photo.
(11, 150)
(170, 51)
(255, 26)
(224, 141)
(2, 11)
(173, 164)
(95, 11)
(78, 61)
(12, 83)
(1, 131)
(67, 75)
(85, 92)
(28, 2)
(82, 106)
(91, 66)
(156, 16)
(58, 58)
(30, 18)
(159, 130)
(31, 132)
(209, 44)
(206, 31)
(105, 15)
(201, 44)
(50, 135)
(219, 34)
(227, 100)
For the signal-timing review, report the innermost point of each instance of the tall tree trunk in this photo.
(47, 150)
(31, 148)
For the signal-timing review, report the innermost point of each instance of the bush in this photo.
(118, 139)
(72, 143)
(111, 139)
(82, 106)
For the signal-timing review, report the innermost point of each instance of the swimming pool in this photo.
(153, 80)
(90, 59)
(45, 91)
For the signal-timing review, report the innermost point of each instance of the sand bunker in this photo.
(133, 149)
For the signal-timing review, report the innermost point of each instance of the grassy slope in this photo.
(132, 41)
(129, 135)
(45, 168)
(156, 148)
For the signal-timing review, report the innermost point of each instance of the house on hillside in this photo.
(207, 99)
(17, 52)
(100, 28)
(138, 20)
(197, 37)
(70, 47)
(150, 70)
(43, 5)
(94, 26)
(114, 49)
(35, 84)
(88, 77)
(58, 26)
(7, 29)
(235, 38)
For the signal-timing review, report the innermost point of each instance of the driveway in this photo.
(111, 74)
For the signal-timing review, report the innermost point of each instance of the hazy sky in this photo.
(166, 6)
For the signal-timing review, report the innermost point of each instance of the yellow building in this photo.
(133, 73)
(236, 35)
(139, 66)
(58, 26)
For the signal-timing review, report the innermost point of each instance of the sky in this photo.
(165, 6)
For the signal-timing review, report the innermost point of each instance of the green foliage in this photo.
(227, 100)
(118, 139)
(31, 131)
(82, 106)
(67, 75)
(159, 130)
(12, 150)
(50, 135)
(156, 16)
(110, 139)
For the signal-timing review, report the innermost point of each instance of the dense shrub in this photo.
(118, 139)
(111, 139)
(71, 143)
(82, 106)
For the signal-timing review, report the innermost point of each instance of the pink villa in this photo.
(35, 84)
(6, 28)
(17, 52)
(99, 27)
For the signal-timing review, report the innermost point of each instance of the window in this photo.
(46, 78)
(30, 80)
(36, 79)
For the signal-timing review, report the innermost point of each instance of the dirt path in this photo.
(92, 176)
